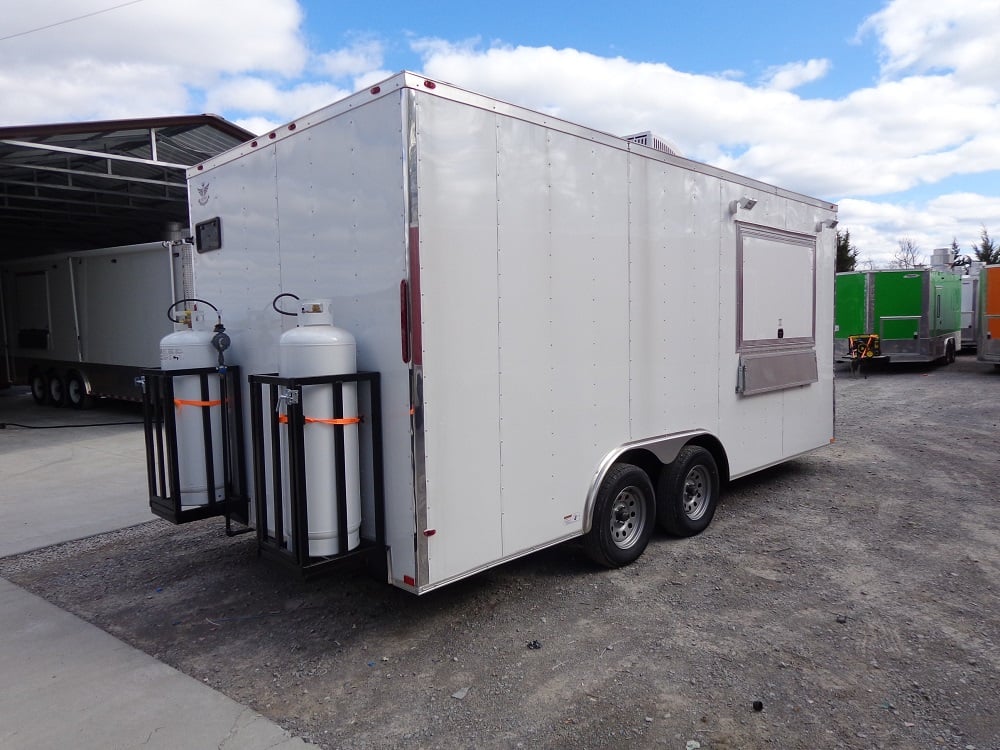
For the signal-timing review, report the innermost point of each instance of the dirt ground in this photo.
(847, 599)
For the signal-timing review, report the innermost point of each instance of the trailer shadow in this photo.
(881, 368)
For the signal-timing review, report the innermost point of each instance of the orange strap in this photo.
(180, 402)
(283, 419)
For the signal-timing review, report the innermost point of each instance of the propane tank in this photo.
(191, 346)
(316, 347)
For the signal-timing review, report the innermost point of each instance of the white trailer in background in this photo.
(947, 259)
(84, 324)
(576, 335)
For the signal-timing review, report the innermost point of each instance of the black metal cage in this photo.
(161, 408)
(291, 546)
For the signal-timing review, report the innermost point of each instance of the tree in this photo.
(908, 255)
(847, 254)
(988, 250)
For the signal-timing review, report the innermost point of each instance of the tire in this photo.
(76, 391)
(688, 492)
(39, 388)
(57, 389)
(949, 353)
(623, 518)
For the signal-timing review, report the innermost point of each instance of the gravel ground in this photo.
(847, 599)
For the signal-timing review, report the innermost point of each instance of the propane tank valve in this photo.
(221, 342)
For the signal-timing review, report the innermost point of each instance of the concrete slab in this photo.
(61, 479)
(66, 682)
(69, 684)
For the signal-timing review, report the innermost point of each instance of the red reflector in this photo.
(376, 89)
(430, 84)
(430, 532)
(292, 126)
(408, 580)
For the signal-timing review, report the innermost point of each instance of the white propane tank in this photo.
(317, 347)
(189, 347)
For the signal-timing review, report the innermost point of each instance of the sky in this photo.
(889, 108)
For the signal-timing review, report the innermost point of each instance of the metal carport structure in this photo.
(76, 186)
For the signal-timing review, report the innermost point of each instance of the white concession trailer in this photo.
(575, 334)
(80, 325)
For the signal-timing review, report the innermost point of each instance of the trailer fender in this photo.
(650, 454)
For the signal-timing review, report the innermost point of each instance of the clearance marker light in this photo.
(292, 126)
(272, 135)
(375, 89)
(430, 84)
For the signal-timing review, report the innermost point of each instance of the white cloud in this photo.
(193, 37)
(792, 75)
(143, 59)
(257, 125)
(260, 95)
(929, 35)
(86, 90)
(876, 227)
(357, 59)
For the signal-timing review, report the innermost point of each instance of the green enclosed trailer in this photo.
(916, 313)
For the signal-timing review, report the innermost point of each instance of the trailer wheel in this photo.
(39, 388)
(688, 492)
(57, 389)
(949, 353)
(76, 391)
(623, 517)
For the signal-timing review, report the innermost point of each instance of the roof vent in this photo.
(648, 139)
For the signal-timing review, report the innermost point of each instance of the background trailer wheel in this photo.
(688, 492)
(57, 388)
(623, 517)
(76, 391)
(39, 388)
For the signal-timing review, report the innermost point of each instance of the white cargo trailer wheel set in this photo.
(526, 331)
